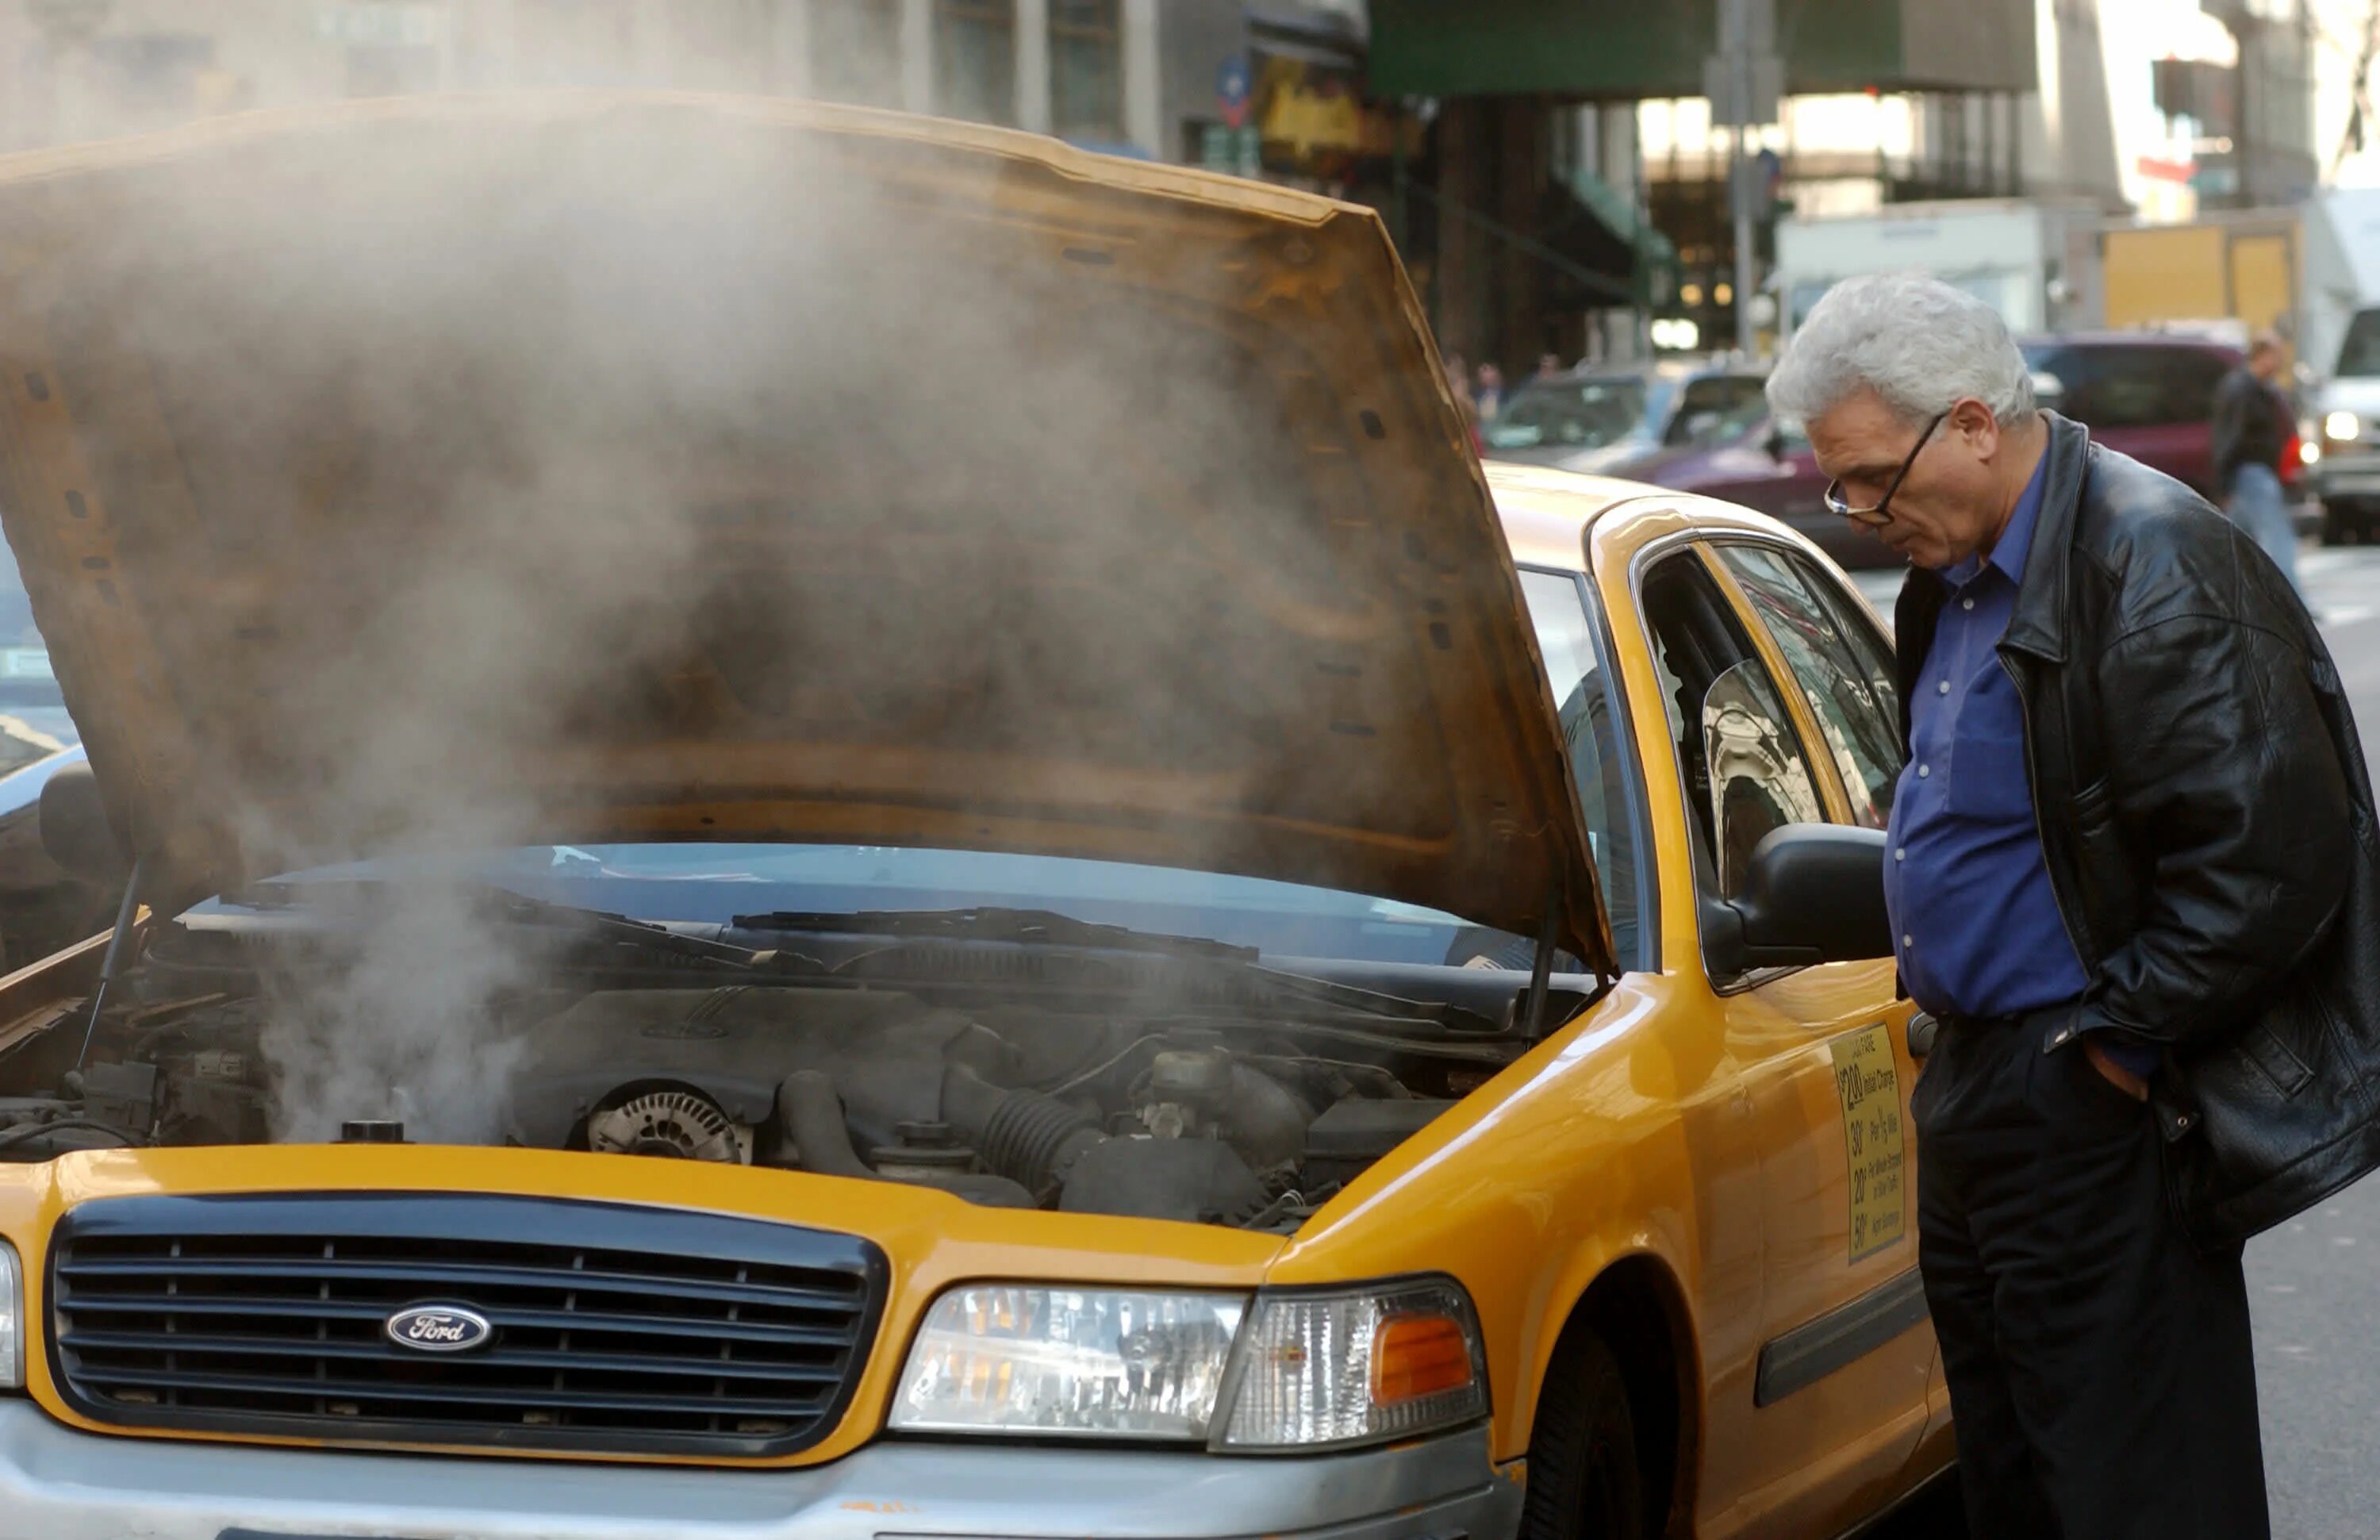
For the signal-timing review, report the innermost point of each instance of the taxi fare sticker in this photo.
(1868, 1083)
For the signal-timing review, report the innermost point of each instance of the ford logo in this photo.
(439, 1329)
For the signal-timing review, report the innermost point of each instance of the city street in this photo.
(2317, 1316)
(988, 624)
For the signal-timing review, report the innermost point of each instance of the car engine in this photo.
(1007, 1099)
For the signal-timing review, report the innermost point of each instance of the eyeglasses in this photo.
(1881, 515)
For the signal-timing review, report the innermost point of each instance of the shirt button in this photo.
(1925, 771)
(1942, 688)
(1908, 944)
(1966, 604)
(1900, 854)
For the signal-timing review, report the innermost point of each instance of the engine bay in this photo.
(1118, 1091)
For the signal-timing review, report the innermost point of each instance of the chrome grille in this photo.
(616, 1329)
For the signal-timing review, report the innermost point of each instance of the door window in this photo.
(2359, 354)
(1745, 769)
(1841, 665)
(1573, 668)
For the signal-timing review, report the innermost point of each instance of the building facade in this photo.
(1089, 70)
(1550, 111)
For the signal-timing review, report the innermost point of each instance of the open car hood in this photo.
(601, 468)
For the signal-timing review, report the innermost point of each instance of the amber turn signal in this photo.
(1418, 1355)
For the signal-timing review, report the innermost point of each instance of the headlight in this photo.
(12, 1313)
(2342, 427)
(1079, 1363)
(1385, 1362)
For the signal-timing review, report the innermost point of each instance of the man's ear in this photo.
(1973, 420)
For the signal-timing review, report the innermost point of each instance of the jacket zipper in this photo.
(2041, 830)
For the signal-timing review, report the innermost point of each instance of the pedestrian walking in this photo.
(2132, 877)
(1490, 397)
(2251, 431)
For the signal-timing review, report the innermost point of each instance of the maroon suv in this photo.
(2149, 395)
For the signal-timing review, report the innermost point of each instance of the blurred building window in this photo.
(1086, 70)
(150, 79)
(975, 59)
(574, 43)
(723, 46)
(377, 71)
(855, 51)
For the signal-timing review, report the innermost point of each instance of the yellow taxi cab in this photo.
(831, 826)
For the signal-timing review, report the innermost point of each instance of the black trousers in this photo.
(2102, 1381)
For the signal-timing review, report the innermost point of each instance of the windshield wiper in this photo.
(601, 925)
(502, 905)
(1046, 927)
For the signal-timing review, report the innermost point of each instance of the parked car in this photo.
(2150, 395)
(1596, 417)
(2346, 473)
(45, 908)
(765, 979)
(33, 720)
(1762, 461)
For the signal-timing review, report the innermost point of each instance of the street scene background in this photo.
(1615, 214)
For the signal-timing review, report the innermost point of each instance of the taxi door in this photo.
(1848, 1318)
(1817, 1425)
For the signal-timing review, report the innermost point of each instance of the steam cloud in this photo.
(480, 470)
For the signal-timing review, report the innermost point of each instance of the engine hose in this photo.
(811, 1114)
(25, 1133)
(1029, 1138)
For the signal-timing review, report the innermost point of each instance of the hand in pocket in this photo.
(2115, 1074)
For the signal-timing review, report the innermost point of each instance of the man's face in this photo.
(1949, 503)
(2266, 362)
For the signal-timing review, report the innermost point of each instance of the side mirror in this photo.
(1775, 444)
(75, 829)
(1813, 892)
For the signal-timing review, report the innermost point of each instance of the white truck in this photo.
(2006, 252)
(2339, 343)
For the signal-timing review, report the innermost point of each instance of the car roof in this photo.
(1547, 513)
(1667, 368)
(2131, 340)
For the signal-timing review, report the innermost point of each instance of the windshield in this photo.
(1576, 414)
(2359, 356)
(1718, 410)
(713, 884)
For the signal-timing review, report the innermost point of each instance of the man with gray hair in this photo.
(2132, 877)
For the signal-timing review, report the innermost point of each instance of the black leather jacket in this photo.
(2209, 831)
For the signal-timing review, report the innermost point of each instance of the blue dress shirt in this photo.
(1974, 914)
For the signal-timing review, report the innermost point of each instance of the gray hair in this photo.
(1915, 341)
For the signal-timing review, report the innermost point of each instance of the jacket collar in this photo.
(2037, 625)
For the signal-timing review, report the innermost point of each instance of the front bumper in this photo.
(2345, 478)
(57, 1482)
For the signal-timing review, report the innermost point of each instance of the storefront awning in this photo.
(1629, 50)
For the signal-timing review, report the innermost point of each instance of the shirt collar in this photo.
(2015, 542)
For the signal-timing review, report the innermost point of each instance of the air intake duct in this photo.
(1023, 1136)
